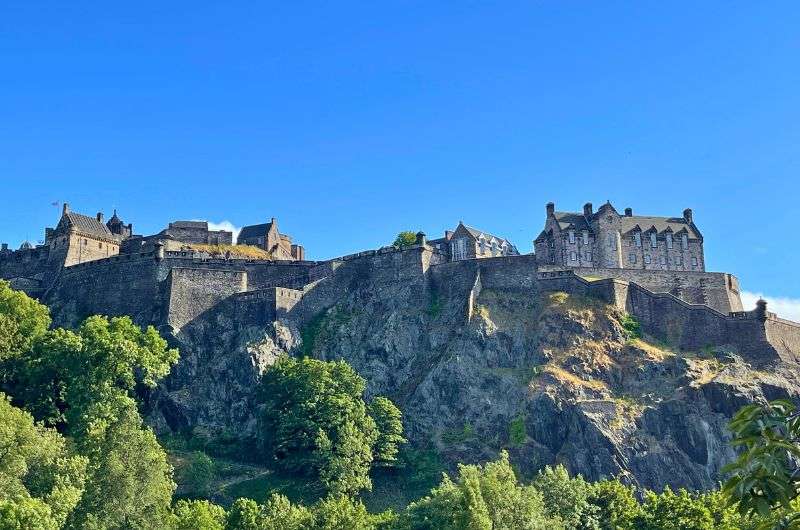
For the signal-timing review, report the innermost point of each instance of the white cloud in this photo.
(788, 308)
(225, 225)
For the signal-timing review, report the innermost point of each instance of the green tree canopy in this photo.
(40, 481)
(405, 239)
(389, 421)
(567, 498)
(316, 423)
(22, 321)
(197, 515)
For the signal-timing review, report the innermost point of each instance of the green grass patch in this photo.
(516, 431)
(452, 436)
(631, 326)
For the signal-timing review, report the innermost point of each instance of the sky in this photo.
(351, 121)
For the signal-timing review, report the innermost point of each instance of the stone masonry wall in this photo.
(193, 291)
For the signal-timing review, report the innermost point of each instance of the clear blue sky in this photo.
(349, 121)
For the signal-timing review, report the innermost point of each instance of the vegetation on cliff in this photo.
(76, 453)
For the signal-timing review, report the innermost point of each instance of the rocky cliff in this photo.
(481, 364)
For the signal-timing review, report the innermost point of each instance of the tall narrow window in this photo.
(647, 258)
(669, 240)
(572, 237)
(684, 241)
(637, 239)
(612, 241)
(694, 261)
(653, 242)
(585, 237)
(631, 258)
(573, 256)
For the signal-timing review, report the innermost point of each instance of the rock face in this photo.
(477, 367)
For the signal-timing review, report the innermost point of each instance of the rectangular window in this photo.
(637, 239)
(653, 242)
(572, 237)
(679, 261)
(631, 258)
(663, 260)
(459, 249)
(612, 241)
(589, 257)
(573, 256)
(669, 240)
(585, 237)
(647, 258)
(694, 261)
(684, 242)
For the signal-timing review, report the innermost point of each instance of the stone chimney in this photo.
(628, 212)
(4, 247)
(551, 209)
(687, 214)
(65, 209)
(587, 209)
(420, 238)
(99, 217)
(448, 234)
(761, 309)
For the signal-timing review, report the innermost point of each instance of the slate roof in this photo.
(661, 224)
(486, 235)
(578, 220)
(253, 231)
(87, 225)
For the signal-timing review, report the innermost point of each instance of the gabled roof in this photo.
(253, 231)
(661, 224)
(571, 219)
(86, 225)
(477, 234)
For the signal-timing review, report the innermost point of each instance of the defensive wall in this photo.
(717, 290)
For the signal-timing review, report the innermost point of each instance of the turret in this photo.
(99, 217)
(761, 310)
(65, 209)
(420, 238)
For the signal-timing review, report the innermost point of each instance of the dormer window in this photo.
(637, 239)
(572, 237)
(669, 240)
(653, 242)
(684, 242)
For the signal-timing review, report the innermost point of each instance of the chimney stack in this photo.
(628, 212)
(420, 238)
(100, 217)
(4, 247)
(551, 209)
(687, 214)
(65, 209)
(587, 209)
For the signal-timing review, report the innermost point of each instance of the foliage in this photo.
(482, 497)
(316, 423)
(388, 421)
(129, 480)
(339, 512)
(567, 498)
(674, 511)
(198, 515)
(765, 475)
(631, 327)
(236, 251)
(617, 504)
(22, 321)
(41, 482)
(198, 473)
(244, 514)
(516, 431)
(405, 239)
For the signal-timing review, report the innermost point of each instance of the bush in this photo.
(405, 239)
(631, 327)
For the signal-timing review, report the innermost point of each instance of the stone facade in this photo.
(267, 237)
(607, 239)
(470, 243)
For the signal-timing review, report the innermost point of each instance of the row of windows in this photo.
(677, 260)
(636, 241)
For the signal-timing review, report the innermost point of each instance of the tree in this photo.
(22, 321)
(198, 473)
(41, 482)
(765, 478)
(567, 498)
(278, 513)
(316, 423)
(197, 515)
(405, 239)
(674, 511)
(129, 480)
(244, 514)
(617, 504)
(482, 497)
(341, 512)
(388, 420)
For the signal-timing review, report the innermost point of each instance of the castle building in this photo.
(79, 238)
(266, 236)
(606, 239)
(469, 243)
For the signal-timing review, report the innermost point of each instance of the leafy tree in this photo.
(278, 513)
(765, 478)
(388, 420)
(316, 423)
(129, 480)
(567, 498)
(198, 473)
(482, 497)
(674, 511)
(244, 514)
(40, 481)
(22, 321)
(405, 239)
(341, 512)
(198, 515)
(617, 504)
